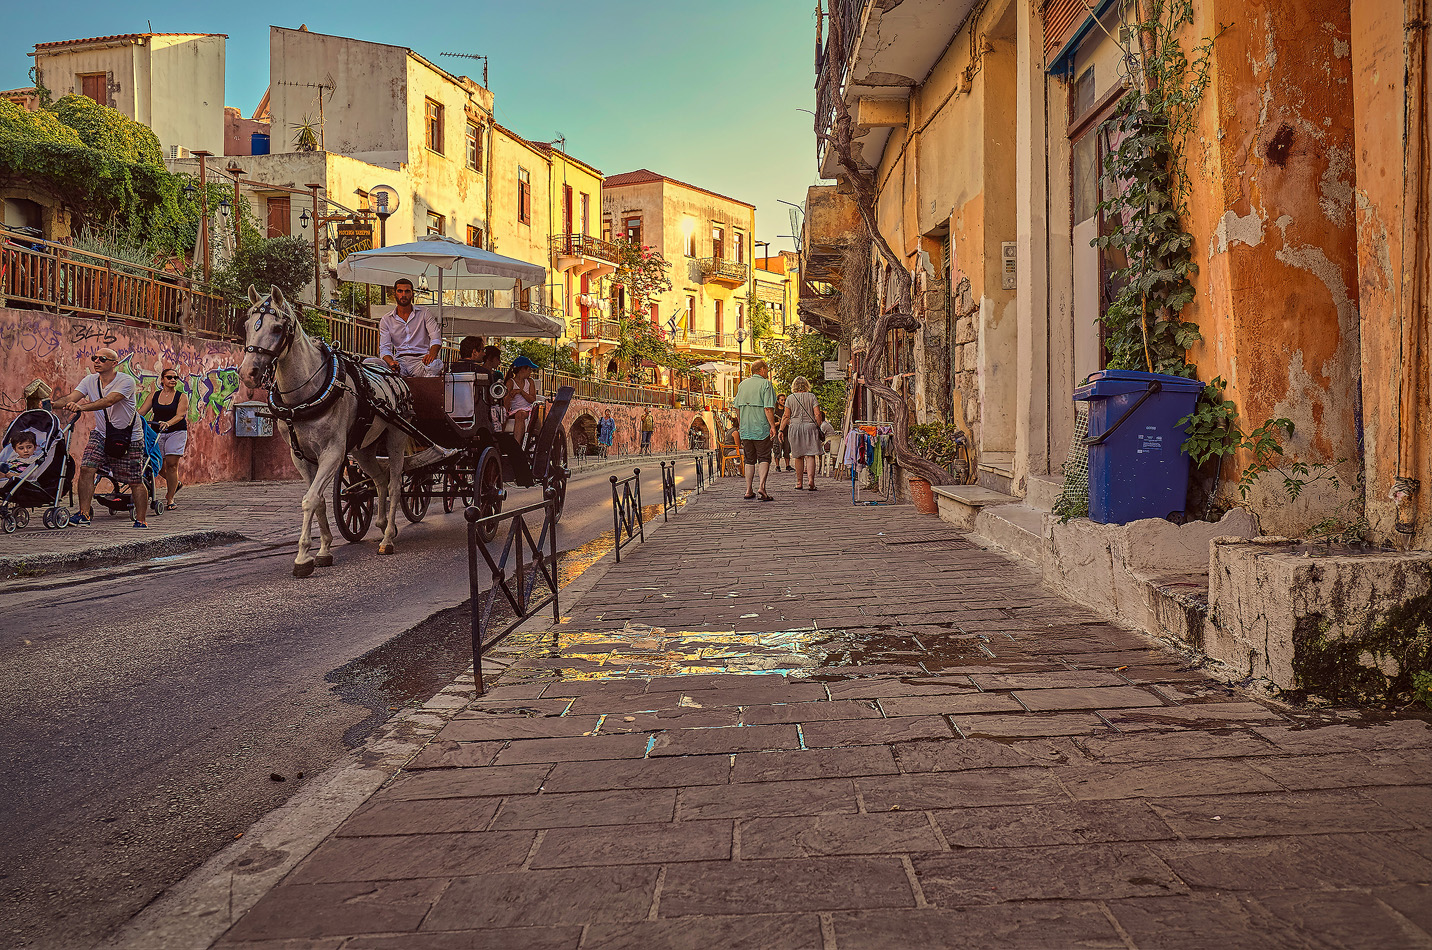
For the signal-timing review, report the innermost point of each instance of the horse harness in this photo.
(344, 373)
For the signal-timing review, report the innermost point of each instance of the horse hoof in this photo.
(303, 570)
(385, 549)
(324, 560)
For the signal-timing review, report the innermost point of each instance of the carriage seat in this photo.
(430, 414)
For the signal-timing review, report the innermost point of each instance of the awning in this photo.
(498, 322)
(462, 266)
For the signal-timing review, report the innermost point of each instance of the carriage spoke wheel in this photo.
(354, 500)
(457, 489)
(557, 474)
(417, 494)
(489, 490)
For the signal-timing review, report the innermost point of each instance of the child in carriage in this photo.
(21, 458)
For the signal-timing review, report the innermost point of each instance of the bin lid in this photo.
(1120, 382)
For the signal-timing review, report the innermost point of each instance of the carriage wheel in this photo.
(489, 490)
(354, 499)
(557, 474)
(417, 494)
(457, 487)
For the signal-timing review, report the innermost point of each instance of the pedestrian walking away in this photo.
(409, 337)
(168, 408)
(648, 426)
(117, 441)
(801, 429)
(780, 446)
(755, 403)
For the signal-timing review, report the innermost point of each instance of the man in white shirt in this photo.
(111, 394)
(409, 337)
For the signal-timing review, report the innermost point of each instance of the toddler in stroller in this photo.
(36, 470)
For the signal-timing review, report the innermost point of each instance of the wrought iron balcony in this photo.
(584, 245)
(718, 270)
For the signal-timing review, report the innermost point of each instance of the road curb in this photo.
(197, 911)
(121, 552)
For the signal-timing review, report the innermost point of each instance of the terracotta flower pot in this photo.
(923, 496)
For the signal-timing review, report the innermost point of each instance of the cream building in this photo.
(707, 237)
(171, 82)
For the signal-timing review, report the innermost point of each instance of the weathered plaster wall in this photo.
(1271, 213)
(1379, 96)
(186, 91)
(56, 350)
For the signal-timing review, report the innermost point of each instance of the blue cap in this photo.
(522, 361)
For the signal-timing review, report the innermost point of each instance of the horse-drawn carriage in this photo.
(385, 441)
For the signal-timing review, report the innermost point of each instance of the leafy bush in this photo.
(109, 130)
(37, 126)
(284, 262)
(802, 355)
(940, 442)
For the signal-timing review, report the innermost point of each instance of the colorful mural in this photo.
(55, 349)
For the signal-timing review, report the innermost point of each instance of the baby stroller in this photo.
(115, 495)
(42, 480)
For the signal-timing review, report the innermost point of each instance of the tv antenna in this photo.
(325, 85)
(473, 56)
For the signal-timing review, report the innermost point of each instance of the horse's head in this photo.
(269, 331)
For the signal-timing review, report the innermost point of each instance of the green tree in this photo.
(759, 320)
(643, 271)
(802, 355)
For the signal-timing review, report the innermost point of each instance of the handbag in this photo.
(116, 441)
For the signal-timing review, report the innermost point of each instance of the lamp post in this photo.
(204, 204)
(740, 353)
(317, 264)
(234, 172)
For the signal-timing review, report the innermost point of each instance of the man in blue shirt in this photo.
(756, 403)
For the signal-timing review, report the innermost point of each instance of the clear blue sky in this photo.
(704, 92)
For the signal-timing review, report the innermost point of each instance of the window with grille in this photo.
(434, 123)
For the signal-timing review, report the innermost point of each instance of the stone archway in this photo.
(698, 436)
(583, 434)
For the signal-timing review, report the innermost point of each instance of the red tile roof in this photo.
(118, 36)
(644, 176)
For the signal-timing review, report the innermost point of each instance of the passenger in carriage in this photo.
(467, 355)
(521, 395)
(409, 337)
(491, 361)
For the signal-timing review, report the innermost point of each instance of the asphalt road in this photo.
(150, 713)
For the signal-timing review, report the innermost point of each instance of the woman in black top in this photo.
(168, 411)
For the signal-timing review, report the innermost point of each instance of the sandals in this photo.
(764, 497)
(748, 497)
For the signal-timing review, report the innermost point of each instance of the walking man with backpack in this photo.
(117, 440)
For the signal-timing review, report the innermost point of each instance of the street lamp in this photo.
(740, 353)
(235, 171)
(303, 219)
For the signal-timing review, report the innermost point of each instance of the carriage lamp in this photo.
(303, 219)
(224, 207)
(189, 189)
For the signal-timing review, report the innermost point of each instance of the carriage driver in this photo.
(409, 337)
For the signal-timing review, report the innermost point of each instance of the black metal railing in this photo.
(700, 476)
(626, 510)
(668, 490)
(515, 573)
(718, 268)
(586, 246)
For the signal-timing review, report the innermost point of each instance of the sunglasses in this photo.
(171, 377)
(100, 359)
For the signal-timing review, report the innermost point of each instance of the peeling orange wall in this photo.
(1271, 212)
(1379, 77)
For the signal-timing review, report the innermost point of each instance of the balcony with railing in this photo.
(584, 254)
(718, 270)
(594, 329)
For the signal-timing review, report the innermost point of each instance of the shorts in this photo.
(756, 450)
(128, 470)
(173, 443)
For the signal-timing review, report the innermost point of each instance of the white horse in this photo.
(316, 394)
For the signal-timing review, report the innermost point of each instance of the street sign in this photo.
(354, 237)
(833, 369)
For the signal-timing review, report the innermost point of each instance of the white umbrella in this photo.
(458, 266)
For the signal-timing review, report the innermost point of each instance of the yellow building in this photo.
(708, 240)
(776, 287)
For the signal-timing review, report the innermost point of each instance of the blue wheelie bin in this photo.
(1137, 465)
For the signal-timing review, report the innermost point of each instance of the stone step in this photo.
(960, 503)
(1018, 529)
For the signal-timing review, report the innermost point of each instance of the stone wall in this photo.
(672, 425)
(56, 350)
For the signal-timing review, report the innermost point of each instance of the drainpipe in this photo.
(1406, 485)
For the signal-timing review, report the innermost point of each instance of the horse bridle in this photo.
(265, 307)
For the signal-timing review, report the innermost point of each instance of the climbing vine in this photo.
(1145, 192)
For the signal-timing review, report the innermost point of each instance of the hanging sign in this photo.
(354, 237)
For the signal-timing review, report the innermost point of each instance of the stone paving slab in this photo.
(972, 763)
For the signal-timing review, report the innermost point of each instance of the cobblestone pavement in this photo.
(805, 724)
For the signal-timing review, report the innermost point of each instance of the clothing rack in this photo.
(885, 480)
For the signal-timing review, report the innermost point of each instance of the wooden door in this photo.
(280, 220)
